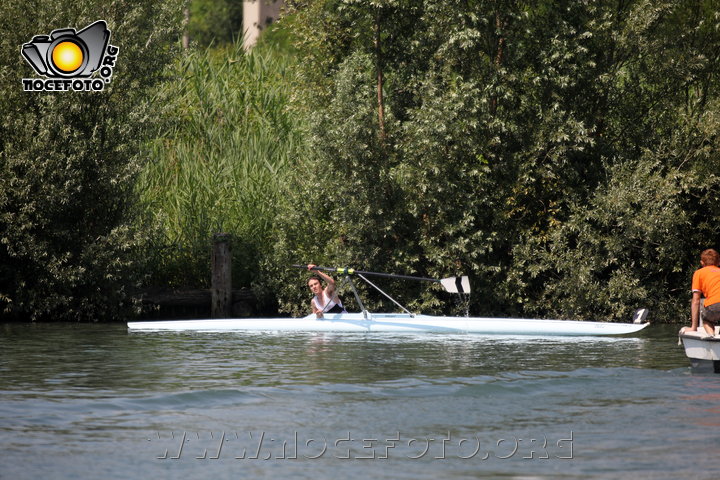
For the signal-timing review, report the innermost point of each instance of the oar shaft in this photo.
(392, 275)
(352, 271)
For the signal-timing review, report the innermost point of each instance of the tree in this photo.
(341, 204)
(635, 238)
(68, 162)
(510, 134)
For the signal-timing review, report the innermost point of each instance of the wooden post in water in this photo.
(221, 288)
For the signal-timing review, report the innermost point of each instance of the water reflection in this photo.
(98, 357)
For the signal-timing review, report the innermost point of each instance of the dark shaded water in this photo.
(94, 401)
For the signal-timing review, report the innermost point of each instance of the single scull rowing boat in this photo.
(397, 322)
(366, 321)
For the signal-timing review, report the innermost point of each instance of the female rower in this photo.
(325, 300)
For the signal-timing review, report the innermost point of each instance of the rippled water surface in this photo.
(95, 401)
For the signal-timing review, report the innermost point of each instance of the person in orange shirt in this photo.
(706, 283)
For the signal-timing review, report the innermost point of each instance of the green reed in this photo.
(220, 160)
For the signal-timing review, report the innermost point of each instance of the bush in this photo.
(68, 161)
(625, 249)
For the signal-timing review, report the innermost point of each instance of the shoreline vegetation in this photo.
(563, 155)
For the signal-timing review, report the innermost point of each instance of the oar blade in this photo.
(456, 284)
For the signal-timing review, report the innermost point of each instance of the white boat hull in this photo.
(702, 350)
(701, 347)
(400, 322)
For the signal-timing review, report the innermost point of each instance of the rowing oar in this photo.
(451, 284)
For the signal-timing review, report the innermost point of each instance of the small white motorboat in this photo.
(702, 349)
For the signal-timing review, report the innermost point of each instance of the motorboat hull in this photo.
(703, 350)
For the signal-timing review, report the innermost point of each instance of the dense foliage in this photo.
(68, 160)
(563, 154)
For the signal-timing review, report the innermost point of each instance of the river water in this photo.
(99, 402)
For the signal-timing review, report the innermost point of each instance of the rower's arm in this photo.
(330, 289)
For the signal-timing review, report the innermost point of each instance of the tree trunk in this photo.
(378, 68)
(499, 53)
(186, 22)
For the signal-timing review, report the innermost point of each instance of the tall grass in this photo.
(220, 160)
